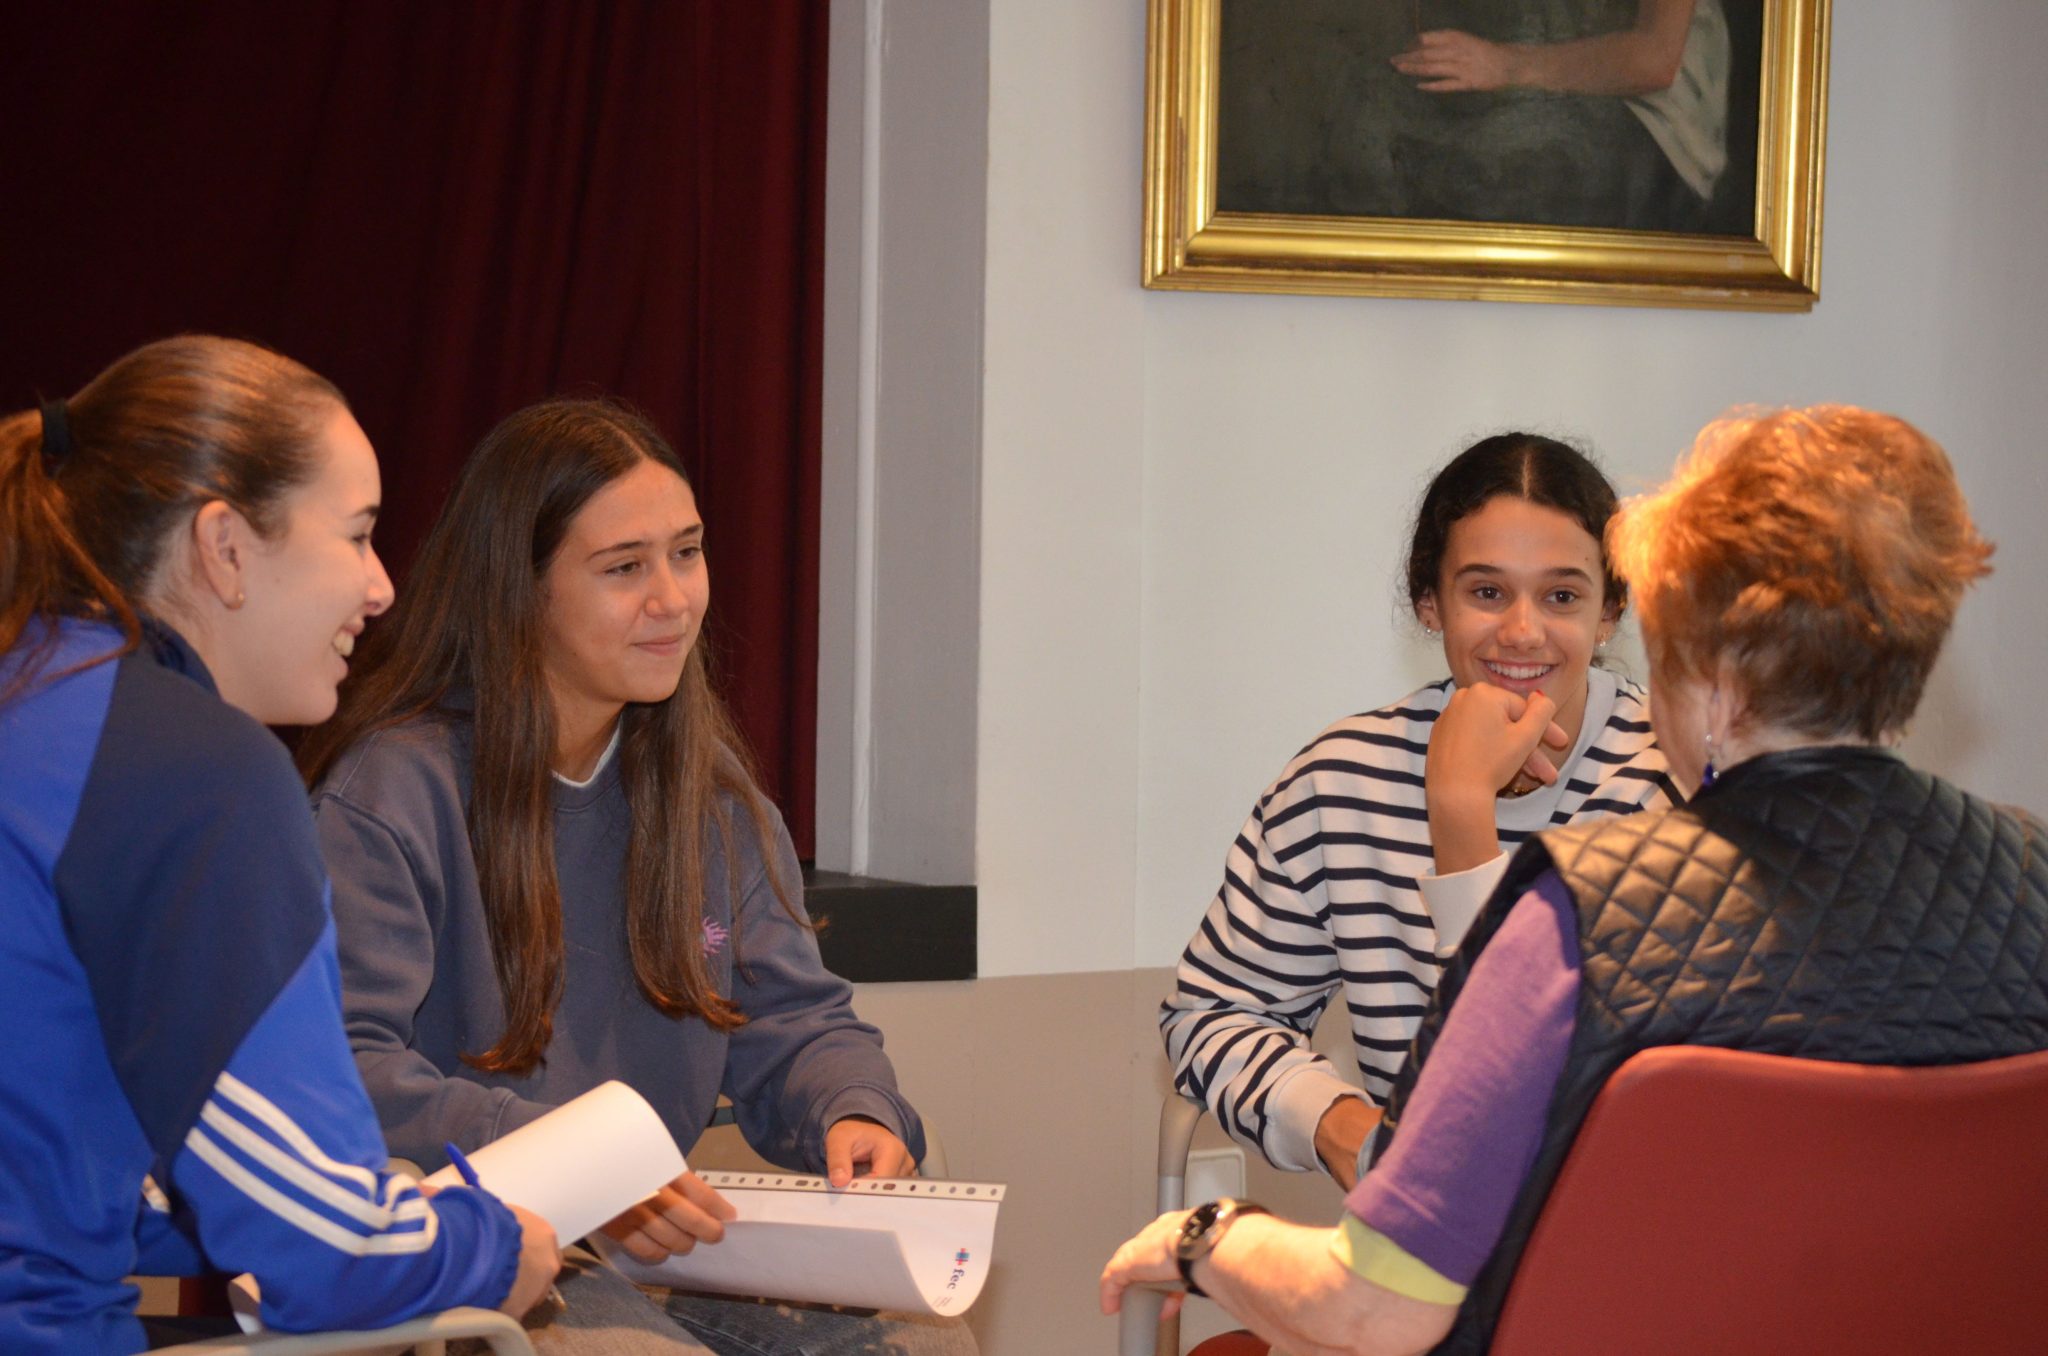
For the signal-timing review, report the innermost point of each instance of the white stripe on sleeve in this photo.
(289, 1210)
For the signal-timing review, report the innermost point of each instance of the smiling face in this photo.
(626, 594)
(283, 653)
(1520, 603)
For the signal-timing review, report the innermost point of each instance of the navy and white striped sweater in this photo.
(1320, 894)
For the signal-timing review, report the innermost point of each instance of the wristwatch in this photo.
(1202, 1230)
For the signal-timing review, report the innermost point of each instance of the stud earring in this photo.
(240, 598)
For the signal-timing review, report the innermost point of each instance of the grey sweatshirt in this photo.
(419, 988)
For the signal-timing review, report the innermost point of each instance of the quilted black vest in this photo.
(1821, 903)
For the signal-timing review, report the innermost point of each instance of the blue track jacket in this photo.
(177, 1094)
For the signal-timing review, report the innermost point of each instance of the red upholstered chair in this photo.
(1239, 1343)
(1720, 1203)
(1723, 1202)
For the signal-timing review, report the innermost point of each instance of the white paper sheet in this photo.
(880, 1243)
(582, 1163)
(576, 1167)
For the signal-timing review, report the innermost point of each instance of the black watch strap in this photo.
(1202, 1231)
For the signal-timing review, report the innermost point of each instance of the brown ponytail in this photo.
(45, 571)
(163, 431)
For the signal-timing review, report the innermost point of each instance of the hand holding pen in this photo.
(540, 1256)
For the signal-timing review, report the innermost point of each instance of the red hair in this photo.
(1818, 555)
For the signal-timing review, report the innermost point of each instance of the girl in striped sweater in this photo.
(1364, 862)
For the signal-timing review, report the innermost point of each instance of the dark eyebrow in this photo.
(1561, 572)
(641, 544)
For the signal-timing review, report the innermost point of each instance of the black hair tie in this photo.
(57, 445)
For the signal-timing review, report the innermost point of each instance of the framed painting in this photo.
(1619, 152)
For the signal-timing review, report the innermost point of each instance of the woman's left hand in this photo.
(1447, 61)
(859, 1147)
(1149, 1256)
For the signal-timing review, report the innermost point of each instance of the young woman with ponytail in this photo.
(184, 558)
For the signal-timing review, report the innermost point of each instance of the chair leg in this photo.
(1139, 1331)
(1178, 1118)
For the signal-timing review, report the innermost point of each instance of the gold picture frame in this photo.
(1190, 245)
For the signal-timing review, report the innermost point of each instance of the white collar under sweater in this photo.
(613, 747)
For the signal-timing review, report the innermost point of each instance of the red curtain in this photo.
(451, 210)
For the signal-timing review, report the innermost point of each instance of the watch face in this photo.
(1197, 1225)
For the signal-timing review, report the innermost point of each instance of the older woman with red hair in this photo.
(1796, 580)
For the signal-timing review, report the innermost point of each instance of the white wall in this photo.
(1062, 460)
(899, 557)
(1190, 508)
(1192, 504)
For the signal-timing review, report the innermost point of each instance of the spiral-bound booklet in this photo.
(880, 1243)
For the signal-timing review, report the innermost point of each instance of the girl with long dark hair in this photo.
(554, 865)
(1816, 898)
(1360, 867)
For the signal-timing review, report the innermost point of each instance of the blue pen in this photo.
(461, 1163)
(469, 1176)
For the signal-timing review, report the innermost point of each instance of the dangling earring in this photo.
(1707, 772)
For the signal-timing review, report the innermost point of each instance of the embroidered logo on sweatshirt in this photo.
(714, 937)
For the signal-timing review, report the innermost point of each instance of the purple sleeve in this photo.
(1475, 1119)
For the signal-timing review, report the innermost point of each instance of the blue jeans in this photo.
(607, 1315)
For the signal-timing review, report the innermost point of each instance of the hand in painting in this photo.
(1446, 61)
(1639, 59)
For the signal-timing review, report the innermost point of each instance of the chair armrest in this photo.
(1138, 1331)
(1178, 1118)
(500, 1331)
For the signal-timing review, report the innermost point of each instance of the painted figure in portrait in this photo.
(1630, 114)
